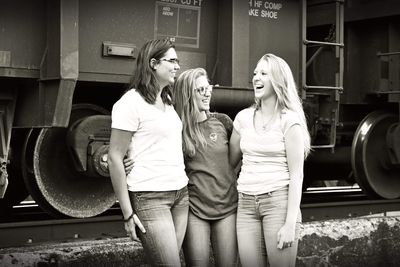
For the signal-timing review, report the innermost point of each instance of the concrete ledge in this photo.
(109, 252)
(371, 241)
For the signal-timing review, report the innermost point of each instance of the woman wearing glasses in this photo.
(212, 182)
(153, 196)
(273, 139)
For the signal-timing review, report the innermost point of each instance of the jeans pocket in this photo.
(245, 204)
(182, 197)
(147, 200)
(139, 196)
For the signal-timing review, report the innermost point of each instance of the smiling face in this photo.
(262, 81)
(167, 67)
(202, 101)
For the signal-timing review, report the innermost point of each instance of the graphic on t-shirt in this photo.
(213, 136)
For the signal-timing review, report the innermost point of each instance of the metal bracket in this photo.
(118, 49)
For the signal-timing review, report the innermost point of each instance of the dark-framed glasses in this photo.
(171, 60)
(204, 89)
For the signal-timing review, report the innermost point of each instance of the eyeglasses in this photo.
(204, 89)
(170, 60)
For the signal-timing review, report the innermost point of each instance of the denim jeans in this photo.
(221, 233)
(259, 219)
(164, 216)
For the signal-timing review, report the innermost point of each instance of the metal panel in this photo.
(133, 22)
(49, 102)
(22, 35)
(276, 28)
(240, 44)
(123, 21)
(355, 10)
(224, 55)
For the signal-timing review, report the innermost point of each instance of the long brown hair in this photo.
(144, 79)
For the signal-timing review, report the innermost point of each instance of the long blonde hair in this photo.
(188, 111)
(286, 91)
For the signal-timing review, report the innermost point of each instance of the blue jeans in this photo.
(259, 219)
(164, 216)
(222, 234)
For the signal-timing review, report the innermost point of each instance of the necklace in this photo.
(266, 124)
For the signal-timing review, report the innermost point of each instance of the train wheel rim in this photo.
(368, 157)
(29, 177)
(66, 191)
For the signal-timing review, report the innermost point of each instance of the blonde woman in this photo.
(212, 182)
(272, 139)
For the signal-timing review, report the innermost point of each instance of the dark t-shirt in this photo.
(212, 182)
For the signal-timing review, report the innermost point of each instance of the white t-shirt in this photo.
(264, 164)
(156, 145)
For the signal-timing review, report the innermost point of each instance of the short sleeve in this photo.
(226, 121)
(290, 118)
(124, 115)
(238, 121)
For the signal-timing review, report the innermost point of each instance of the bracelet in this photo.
(130, 217)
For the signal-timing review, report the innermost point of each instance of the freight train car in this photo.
(63, 63)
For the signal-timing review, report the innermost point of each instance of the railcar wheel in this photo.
(29, 176)
(16, 191)
(370, 160)
(55, 184)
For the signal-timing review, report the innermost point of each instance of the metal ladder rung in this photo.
(308, 95)
(379, 54)
(386, 92)
(323, 146)
(306, 87)
(306, 42)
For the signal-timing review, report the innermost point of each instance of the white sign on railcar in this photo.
(264, 9)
